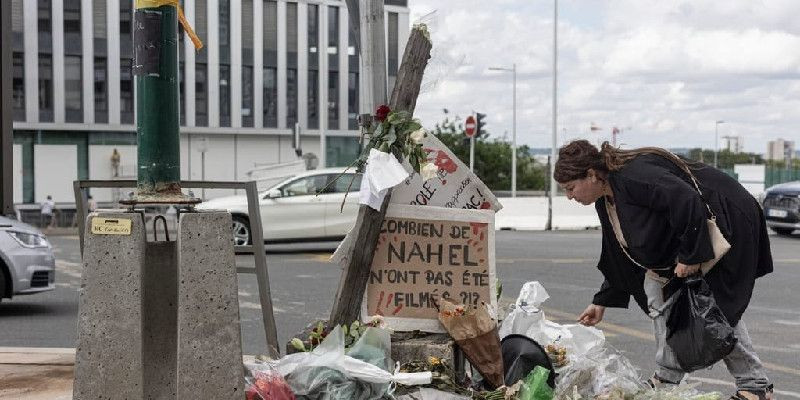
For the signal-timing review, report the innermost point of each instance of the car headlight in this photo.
(29, 240)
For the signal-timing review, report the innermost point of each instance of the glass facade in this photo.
(352, 82)
(126, 90)
(392, 61)
(73, 89)
(224, 63)
(18, 85)
(291, 64)
(201, 66)
(333, 67)
(247, 64)
(313, 66)
(45, 26)
(100, 90)
(100, 62)
(270, 73)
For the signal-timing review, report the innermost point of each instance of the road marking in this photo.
(544, 260)
(650, 337)
(787, 322)
(731, 384)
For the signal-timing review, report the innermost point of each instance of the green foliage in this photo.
(725, 159)
(393, 135)
(493, 158)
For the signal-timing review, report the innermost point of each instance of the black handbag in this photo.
(697, 330)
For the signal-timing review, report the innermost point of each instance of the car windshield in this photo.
(272, 182)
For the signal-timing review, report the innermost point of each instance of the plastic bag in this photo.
(598, 373)
(526, 318)
(266, 383)
(536, 386)
(697, 331)
(328, 373)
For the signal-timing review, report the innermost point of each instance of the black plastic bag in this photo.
(697, 331)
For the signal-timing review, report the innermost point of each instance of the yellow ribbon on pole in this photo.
(198, 44)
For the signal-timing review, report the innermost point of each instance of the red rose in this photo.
(382, 112)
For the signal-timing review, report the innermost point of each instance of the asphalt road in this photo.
(303, 284)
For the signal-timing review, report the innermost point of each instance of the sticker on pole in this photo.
(111, 226)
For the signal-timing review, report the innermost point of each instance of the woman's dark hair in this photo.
(577, 157)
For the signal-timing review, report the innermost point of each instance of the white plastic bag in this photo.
(526, 318)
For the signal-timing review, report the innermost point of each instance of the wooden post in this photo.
(353, 283)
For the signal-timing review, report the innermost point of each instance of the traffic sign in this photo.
(469, 126)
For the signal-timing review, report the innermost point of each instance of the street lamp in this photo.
(513, 71)
(716, 140)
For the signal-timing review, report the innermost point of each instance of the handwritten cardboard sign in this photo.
(454, 186)
(111, 226)
(425, 254)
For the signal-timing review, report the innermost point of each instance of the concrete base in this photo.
(408, 346)
(209, 335)
(109, 362)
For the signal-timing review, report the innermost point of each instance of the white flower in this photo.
(428, 171)
(418, 135)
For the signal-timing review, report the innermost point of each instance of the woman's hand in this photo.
(592, 315)
(683, 270)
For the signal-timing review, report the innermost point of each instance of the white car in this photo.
(303, 207)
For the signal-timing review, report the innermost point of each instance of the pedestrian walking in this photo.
(655, 228)
(47, 208)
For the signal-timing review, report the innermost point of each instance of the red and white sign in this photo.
(469, 126)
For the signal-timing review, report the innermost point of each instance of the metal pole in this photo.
(156, 70)
(6, 133)
(472, 153)
(716, 142)
(554, 143)
(514, 135)
(203, 173)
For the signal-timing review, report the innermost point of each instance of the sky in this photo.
(663, 71)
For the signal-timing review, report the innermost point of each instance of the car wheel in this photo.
(783, 231)
(241, 231)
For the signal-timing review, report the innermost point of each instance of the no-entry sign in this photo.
(469, 126)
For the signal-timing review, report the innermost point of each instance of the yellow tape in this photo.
(198, 44)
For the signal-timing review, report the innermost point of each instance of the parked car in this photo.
(27, 264)
(782, 207)
(302, 207)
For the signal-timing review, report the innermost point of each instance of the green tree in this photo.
(492, 158)
(725, 159)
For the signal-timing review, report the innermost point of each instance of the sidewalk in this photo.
(36, 373)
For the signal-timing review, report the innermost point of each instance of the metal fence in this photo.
(774, 176)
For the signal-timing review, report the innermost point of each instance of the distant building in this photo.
(266, 65)
(781, 150)
(733, 144)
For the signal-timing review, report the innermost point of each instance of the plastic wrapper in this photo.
(598, 373)
(328, 373)
(266, 383)
(535, 386)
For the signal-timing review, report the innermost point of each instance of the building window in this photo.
(313, 66)
(200, 95)
(100, 90)
(392, 50)
(45, 87)
(18, 85)
(270, 97)
(247, 64)
(270, 90)
(72, 27)
(333, 67)
(352, 82)
(17, 17)
(247, 96)
(224, 95)
(341, 151)
(126, 91)
(291, 64)
(73, 89)
(45, 26)
(126, 28)
(224, 66)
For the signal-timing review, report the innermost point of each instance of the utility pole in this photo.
(6, 134)
(554, 142)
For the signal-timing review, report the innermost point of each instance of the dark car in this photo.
(782, 207)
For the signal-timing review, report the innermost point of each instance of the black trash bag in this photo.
(697, 331)
(521, 355)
